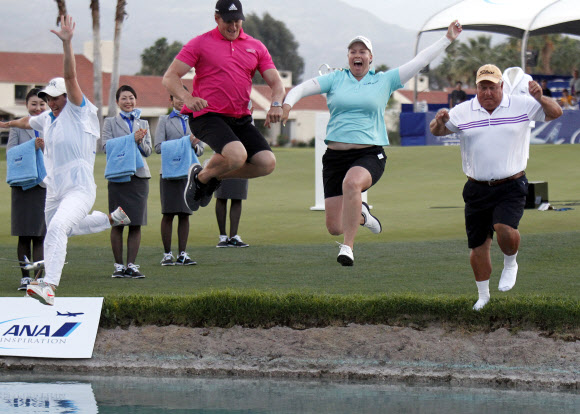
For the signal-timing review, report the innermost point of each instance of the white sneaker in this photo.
(508, 278)
(120, 218)
(345, 256)
(43, 292)
(371, 222)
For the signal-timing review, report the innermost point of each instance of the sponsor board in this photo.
(66, 330)
(38, 397)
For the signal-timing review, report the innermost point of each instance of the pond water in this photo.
(28, 393)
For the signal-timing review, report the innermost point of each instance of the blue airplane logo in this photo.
(69, 314)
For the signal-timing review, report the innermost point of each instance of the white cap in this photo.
(55, 87)
(362, 40)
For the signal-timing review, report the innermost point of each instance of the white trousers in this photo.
(65, 217)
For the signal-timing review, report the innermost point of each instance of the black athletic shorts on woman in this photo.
(336, 163)
(218, 130)
(486, 206)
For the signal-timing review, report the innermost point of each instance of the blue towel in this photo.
(25, 166)
(123, 159)
(176, 157)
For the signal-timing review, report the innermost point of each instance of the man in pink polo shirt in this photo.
(225, 60)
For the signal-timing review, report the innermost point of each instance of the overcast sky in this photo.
(26, 23)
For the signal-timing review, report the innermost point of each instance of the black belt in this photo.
(493, 183)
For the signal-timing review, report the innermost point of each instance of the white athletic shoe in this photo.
(508, 278)
(345, 256)
(120, 218)
(371, 222)
(43, 292)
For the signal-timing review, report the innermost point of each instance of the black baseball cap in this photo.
(230, 10)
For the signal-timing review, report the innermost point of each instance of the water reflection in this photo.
(40, 397)
(113, 394)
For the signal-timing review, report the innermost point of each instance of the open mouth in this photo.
(358, 63)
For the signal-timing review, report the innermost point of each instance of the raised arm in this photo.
(274, 81)
(73, 90)
(549, 106)
(411, 68)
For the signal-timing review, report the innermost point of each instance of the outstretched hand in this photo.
(454, 30)
(67, 28)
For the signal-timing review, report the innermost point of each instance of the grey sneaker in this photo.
(371, 222)
(119, 272)
(120, 218)
(345, 256)
(168, 259)
(193, 189)
(43, 292)
(132, 271)
(184, 260)
(24, 282)
(236, 241)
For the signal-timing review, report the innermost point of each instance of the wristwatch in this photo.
(276, 104)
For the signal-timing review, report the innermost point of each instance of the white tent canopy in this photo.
(511, 17)
(518, 18)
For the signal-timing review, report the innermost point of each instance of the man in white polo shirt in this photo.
(492, 128)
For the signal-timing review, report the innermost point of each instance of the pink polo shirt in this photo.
(224, 71)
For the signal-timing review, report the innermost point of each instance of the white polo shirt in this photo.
(494, 146)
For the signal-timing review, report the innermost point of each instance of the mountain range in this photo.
(322, 28)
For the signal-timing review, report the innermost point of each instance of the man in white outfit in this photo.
(70, 133)
(493, 128)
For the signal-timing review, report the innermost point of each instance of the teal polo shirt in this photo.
(357, 108)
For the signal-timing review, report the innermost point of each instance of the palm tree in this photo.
(61, 4)
(119, 18)
(97, 61)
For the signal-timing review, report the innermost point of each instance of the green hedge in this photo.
(259, 309)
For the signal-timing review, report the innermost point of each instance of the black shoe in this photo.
(119, 272)
(167, 259)
(184, 260)
(194, 189)
(223, 242)
(210, 188)
(133, 271)
(24, 282)
(236, 241)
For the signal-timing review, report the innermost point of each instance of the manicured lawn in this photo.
(422, 250)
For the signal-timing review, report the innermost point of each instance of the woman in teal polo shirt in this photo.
(356, 133)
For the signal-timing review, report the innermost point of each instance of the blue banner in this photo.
(564, 130)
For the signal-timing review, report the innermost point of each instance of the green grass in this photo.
(420, 256)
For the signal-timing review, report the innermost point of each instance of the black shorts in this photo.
(486, 206)
(218, 130)
(335, 165)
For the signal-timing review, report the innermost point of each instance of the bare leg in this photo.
(233, 157)
(182, 231)
(166, 231)
(356, 180)
(23, 249)
(235, 215)
(117, 243)
(221, 210)
(261, 164)
(133, 243)
(480, 260)
(508, 239)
